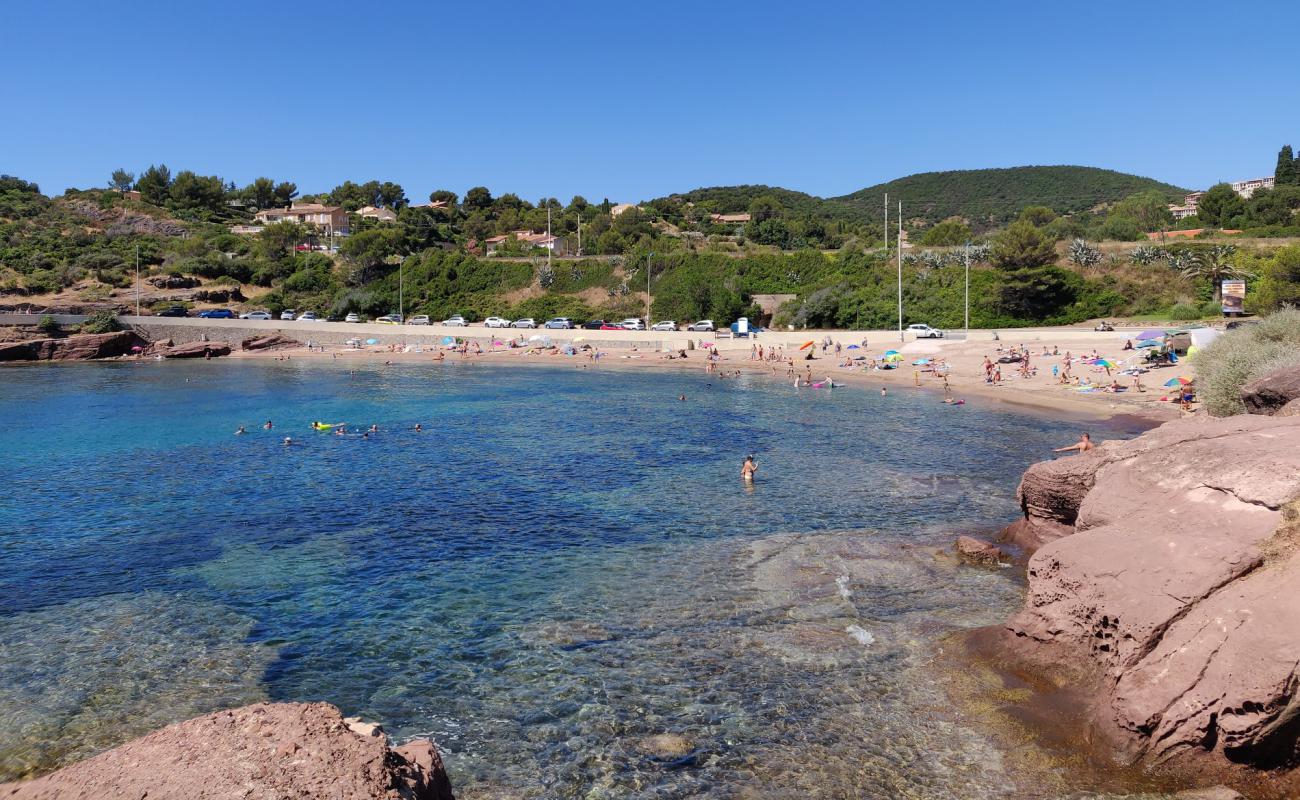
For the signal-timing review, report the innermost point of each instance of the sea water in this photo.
(561, 579)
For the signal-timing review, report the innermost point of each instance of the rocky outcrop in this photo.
(231, 295)
(1177, 587)
(84, 347)
(122, 222)
(173, 282)
(1050, 494)
(1271, 393)
(267, 750)
(273, 341)
(197, 350)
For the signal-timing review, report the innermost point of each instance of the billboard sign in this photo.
(1234, 297)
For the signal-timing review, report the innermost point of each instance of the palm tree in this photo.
(1215, 264)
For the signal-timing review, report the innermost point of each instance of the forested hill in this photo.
(991, 197)
(985, 197)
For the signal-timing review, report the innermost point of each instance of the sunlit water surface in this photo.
(561, 579)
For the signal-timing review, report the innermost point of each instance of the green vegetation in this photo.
(1241, 356)
(47, 325)
(1032, 236)
(101, 322)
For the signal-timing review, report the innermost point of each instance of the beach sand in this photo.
(965, 377)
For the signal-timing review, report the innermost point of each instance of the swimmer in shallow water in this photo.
(748, 469)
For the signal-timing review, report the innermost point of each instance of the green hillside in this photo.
(986, 197)
(991, 197)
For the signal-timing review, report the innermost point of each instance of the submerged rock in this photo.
(665, 746)
(1160, 588)
(984, 554)
(263, 750)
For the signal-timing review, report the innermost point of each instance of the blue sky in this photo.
(635, 100)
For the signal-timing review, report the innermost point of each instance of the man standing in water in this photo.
(1083, 445)
(748, 469)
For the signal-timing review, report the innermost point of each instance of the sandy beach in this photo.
(963, 381)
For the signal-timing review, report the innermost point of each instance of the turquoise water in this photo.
(561, 579)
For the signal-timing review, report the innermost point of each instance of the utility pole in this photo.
(137, 280)
(647, 290)
(550, 244)
(968, 291)
(900, 271)
(401, 298)
(580, 233)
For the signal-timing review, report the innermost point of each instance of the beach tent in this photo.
(1202, 336)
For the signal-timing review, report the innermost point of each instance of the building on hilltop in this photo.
(729, 219)
(1188, 208)
(381, 214)
(620, 208)
(332, 219)
(1248, 188)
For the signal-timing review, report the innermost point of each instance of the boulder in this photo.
(299, 750)
(273, 341)
(173, 282)
(1269, 394)
(82, 347)
(984, 554)
(197, 350)
(1050, 493)
(1173, 591)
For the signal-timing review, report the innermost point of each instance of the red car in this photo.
(609, 326)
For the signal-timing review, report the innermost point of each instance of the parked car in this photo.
(418, 319)
(455, 321)
(217, 313)
(389, 319)
(255, 315)
(559, 323)
(593, 325)
(526, 322)
(664, 325)
(613, 326)
(496, 322)
(923, 331)
(174, 311)
(288, 314)
(702, 325)
(352, 317)
(633, 324)
(307, 316)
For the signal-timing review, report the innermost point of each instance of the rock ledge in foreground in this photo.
(267, 750)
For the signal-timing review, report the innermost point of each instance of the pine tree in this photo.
(1288, 168)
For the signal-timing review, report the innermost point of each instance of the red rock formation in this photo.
(273, 341)
(281, 750)
(197, 350)
(1173, 589)
(974, 551)
(72, 348)
(1271, 393)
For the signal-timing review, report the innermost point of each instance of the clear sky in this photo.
(633, 100)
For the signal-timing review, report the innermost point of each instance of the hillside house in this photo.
(614, 211)
(1188, 208)
(528, 239)
(729, 219)
(1247, 188)
(331, 219)
(381, 214)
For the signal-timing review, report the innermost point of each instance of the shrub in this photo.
(101, 322)
(1183, 312)
(1243, 355)
(47, 325)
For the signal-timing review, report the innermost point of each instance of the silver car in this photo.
(526, 322)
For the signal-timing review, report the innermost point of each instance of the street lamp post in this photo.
(137, 280)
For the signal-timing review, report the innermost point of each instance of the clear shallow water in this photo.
(561, 579)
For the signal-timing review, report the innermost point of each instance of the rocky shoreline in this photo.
(1162, 599)
(264, 750)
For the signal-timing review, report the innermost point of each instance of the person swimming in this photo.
(1083, 445)
(241, 431)
(418, 427)
(287, 441)
(268, 425)
(747, 469)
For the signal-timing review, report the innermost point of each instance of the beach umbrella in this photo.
(854, 347)
(1147, 343)
(447, 340)
(1101, 362)
(894, 357)
(1177, 382)
(806, 345)
(920, 362)
(1154, 333)
(891, 352)
(372, 341)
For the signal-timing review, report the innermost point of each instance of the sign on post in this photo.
(1234, 297)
